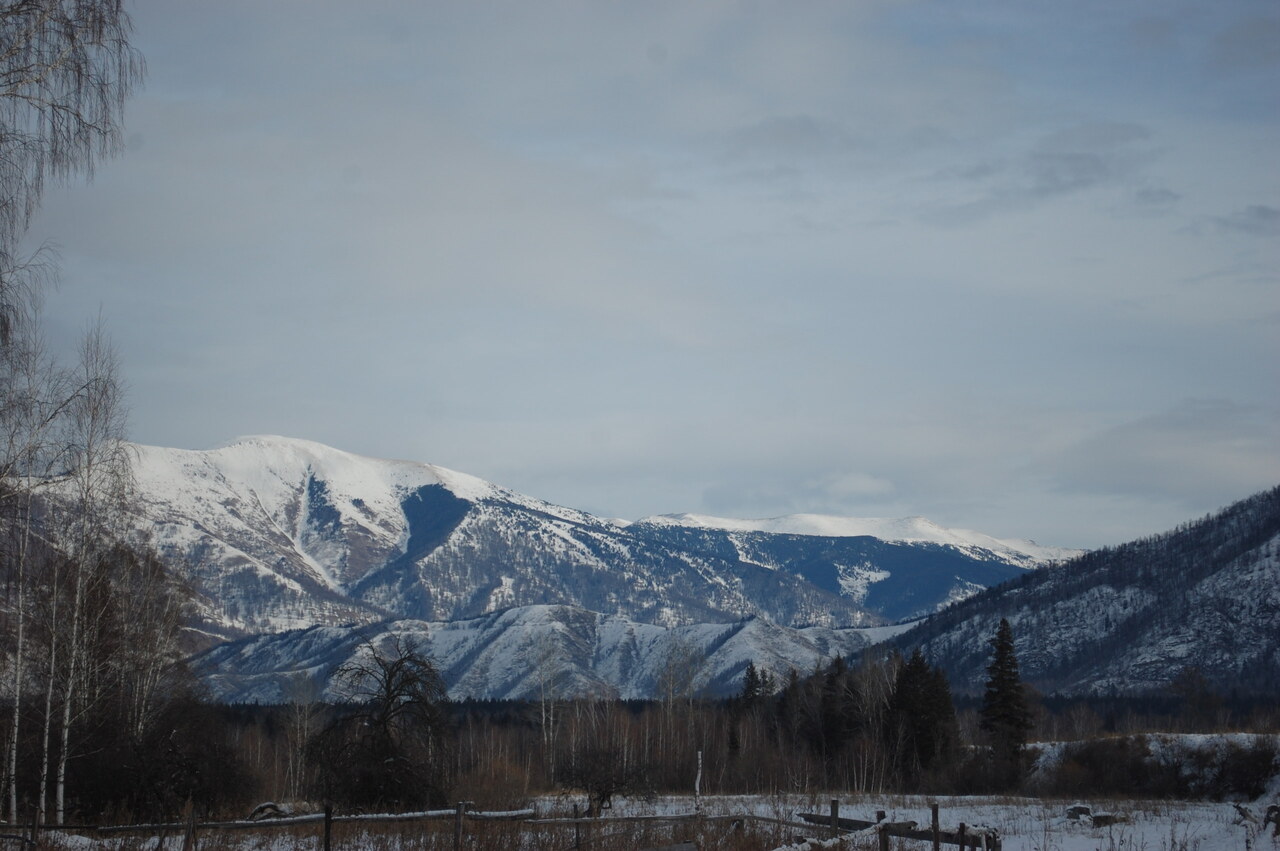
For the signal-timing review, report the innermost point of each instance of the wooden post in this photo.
(835, 817)
(697, 786)
(961, 841)
(884, 839)
(35, 826)
(189, 838)
(328, 825)
(459, 815)
(577, 830)
(933, 824)
(879, 816)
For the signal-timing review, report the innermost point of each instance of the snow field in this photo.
(1024, 825)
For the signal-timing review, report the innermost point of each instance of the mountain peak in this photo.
(282, 533)
(912, 530)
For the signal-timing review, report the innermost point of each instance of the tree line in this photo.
(389, 739)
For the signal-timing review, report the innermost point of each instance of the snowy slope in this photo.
(277, 533)
(1128, 619)
(274, 531)
(899, 530)
(532, 651)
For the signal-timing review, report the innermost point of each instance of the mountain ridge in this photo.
(532, 652)
(1128, 619)
(279, 533)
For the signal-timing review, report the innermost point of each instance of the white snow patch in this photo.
(902, 530)
(856, 579)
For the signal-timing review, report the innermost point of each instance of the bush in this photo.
(1127, 766)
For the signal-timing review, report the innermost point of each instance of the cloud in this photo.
(1201, 451)
(1156, 198)
(1249, 44)
(1255, 220)
(673, 256)
(792, 138)
(1070, 160)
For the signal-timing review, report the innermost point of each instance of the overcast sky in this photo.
(1013, 266)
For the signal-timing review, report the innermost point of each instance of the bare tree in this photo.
(602, 756)
(138, 646)
(66, 70)
(682, 673)
(387, 744)
(95, 486)
(548, 666)
(30, 403)
(303, 695)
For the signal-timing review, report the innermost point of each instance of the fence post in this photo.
(577, 830)
(697, 786)
(328, 825)
(933, 823)
(835, 817)
(884, 839)
(457, 825)
(962, 841)
(189, 838)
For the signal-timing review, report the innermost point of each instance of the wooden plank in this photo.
(843, 823)
(900, 830)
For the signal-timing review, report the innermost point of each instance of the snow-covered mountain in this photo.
(905, 530)
(532, 652)
(279, 534)
(1128, 619)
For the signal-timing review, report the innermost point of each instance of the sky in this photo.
(1012, 266)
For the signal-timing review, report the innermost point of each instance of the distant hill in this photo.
(277, 534)
(1127, 619)
(533, 651)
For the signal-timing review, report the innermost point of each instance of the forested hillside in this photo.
(1131, 618)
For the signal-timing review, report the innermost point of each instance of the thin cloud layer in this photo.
(739, 258)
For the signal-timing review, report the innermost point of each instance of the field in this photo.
(750, 823)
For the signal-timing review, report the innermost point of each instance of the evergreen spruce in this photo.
(1005, 716)
(921, 721)
(750, 685)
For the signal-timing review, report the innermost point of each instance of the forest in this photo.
(876, 724)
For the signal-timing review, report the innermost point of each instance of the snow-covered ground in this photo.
(1023, 824)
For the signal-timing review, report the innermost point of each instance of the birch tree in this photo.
(98, 480)
(66, 70)
(29, 390)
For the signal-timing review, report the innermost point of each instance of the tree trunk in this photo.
(68, 696)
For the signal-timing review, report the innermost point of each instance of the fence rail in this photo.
(962, 838)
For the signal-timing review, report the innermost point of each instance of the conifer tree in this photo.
(921, 720)
(1005, 716)
(750, 685)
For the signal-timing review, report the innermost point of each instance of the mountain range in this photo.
(278, 534)
(532, 652)
(301, 555)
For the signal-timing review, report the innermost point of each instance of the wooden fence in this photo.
(962, 837)
(585, 829)
(190, 829)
